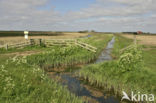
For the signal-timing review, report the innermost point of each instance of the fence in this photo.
(16, 45)
(50, 42)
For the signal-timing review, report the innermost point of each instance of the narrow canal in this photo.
(81, 89)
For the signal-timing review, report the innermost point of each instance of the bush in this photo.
(131, 59)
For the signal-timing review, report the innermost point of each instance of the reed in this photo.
(23, 83)
(22, 80)
(71, 55)
(127, 73)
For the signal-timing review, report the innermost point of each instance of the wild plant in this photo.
(131, 59)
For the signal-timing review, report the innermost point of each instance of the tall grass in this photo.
(149, 56)
(120, 43)
(70, 55)
(22, 80)
(23, 83)
(127, 73)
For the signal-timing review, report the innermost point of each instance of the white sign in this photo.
(26, 34)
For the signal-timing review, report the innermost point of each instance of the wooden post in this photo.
(40, 42)
(31, 41)
(135, 41)
(43, 42)
(6, 46)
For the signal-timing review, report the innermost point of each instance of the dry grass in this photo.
(143, 39)
(9, 40)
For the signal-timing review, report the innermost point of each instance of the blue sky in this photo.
(75, 15)
(64, 6)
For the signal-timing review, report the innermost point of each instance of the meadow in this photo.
(149, 40)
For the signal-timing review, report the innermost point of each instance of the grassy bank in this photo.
(127, 73)
(22, 80)
(23, 83)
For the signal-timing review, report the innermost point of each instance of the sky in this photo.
(76, 15)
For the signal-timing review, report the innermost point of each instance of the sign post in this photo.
(26, 34)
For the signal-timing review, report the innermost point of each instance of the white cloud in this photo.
(104, 15)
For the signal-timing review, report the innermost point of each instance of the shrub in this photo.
(131, 59)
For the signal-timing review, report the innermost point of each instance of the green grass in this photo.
(120, 43)
(127, 73)
(70, 55)
(27, 48)
(149, 55)
(150, 59)
(23, 81)
(108, 75)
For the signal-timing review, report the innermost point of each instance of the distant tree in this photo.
(85, 31)
(92, 30)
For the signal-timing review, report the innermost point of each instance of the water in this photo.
(75, 86)
(106, 53)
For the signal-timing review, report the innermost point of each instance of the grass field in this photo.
(143, 39)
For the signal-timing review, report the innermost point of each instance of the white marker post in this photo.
(26, 34)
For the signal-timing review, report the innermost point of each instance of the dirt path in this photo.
(24, 53)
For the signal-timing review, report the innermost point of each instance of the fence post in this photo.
(40, 42)
(135, 40)
(6, 46)
(31, 41)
